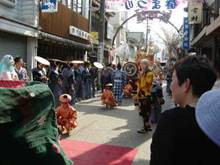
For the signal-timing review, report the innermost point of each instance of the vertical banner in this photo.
(49, 6)
(195, 11)
(186, 33)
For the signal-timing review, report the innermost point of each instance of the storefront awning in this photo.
(199, 37)
(43, 35)
(213, 26)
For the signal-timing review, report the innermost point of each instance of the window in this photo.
(75, 5)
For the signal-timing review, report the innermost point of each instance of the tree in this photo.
(171, 41)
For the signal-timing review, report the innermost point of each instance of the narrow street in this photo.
(116, 126)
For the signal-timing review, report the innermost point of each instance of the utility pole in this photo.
(101, 31)
(147, 31)
(90, 16)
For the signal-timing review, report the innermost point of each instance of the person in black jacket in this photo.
(178, 140)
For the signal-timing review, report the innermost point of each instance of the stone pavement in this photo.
(116, 126)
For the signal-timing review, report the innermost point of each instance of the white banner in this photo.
(129, 5)
(49, 6)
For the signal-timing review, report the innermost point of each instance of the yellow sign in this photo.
(94, 35)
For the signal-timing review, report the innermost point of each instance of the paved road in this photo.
(116, 126)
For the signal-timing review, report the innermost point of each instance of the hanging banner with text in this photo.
(186, 33)
(134, 5)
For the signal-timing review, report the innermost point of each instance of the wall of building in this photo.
(58, 23)
(25, 11)
(116, 21)
(15, 45)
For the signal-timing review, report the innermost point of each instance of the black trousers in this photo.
(145, 111)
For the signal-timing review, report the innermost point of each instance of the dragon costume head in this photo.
(6, 64)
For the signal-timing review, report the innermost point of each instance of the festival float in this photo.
(132, 68)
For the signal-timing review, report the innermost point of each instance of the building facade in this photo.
(19, 29)
(63, 34)
(205, 35)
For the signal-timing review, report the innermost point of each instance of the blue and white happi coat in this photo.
(119, 80)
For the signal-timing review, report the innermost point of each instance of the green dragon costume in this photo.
(29, 133)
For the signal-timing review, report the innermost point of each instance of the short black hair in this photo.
(198, 70)
(17, 59)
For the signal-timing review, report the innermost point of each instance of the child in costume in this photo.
(7, 71)
(108, 97)
(66, 115)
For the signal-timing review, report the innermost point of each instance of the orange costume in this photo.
(108, 97)
(66, 115)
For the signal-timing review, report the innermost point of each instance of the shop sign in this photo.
(49, 6)
(78, 32)
(94, 35)
(195, 11)
(9, 3)
(186, 33)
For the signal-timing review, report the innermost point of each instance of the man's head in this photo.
(144, 63)
(18, 61)
(40, 66)
(191, 75)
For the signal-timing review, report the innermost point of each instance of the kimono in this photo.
(119, 79)
(108, 98)
(66, 118)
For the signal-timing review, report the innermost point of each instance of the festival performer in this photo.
(144, 84)
(39, 73)
(28, 124)
(118, 79)
(66, 115)
(108, 97)
(7, 71)
(128, 89)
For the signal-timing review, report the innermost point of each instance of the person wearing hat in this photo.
(39, 73)
(178, 140)
(144, 84)
(108, 97)
(208, 116)
(66, 115)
